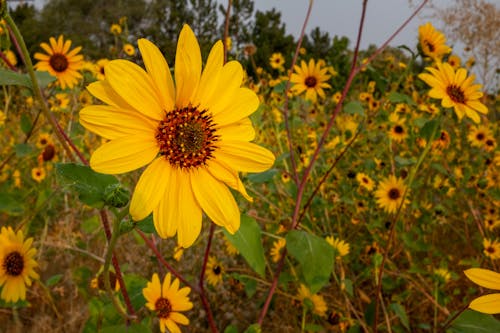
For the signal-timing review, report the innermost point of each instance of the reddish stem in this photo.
(7, 62)
(201, 286)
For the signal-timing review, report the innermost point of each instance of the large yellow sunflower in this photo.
(60, 61)
(311, 79)
(389, 194)
(167, 300)
(456, 90)
(194, 135)
(432, 41)
(17, 264)
(488, 279)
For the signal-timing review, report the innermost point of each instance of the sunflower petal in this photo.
(484, 277)
(245, 156)
(187, 67)
(486, 304)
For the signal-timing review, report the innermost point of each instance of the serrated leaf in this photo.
(354, 107)
(314, 255)
(89, 184)
(11, 78)
(248, 241)
(475, 322)
(401, 313)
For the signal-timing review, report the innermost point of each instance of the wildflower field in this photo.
(186, 177)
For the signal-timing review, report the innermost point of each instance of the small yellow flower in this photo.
(115, 29)
(38, 174)
(129, 49)
(389, 194)
(341, 248)
(491, 248)
(214, 271)
(168, 301)
(310, 78)
(277, 249)
(488, 279)
(432, 41)
(2, 118)
(277, 61)
(17, 264)
(365, 181)
(178, 252)
(318, 302)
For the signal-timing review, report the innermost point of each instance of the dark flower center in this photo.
(187, 137)
(394, 194)
(490, 142)
(480, 136)
(430, 46)
(456, 94)
(59, 62)
(163, 307)
(398, 129)
(13, 264)
(490, 249)
(48, 153)
(311, 81)
(217, 270)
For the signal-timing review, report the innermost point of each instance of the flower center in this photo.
(187, 137)
(394, 194)
(429, 45)
(59, 62)
(310, 81)
(398, 129)
(490, 249)
(13, 264)
(217, 270)
(163, 307)
(456, 94)
(480, 136)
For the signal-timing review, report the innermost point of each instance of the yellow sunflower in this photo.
(129, 49)
(38, 174)
(390, 194)
(99, 68)
(277, 249)
(341, 248)
(478, 134)
(194, 136)
(214, 271)
(456, 90)
(277, 61)
(167, 300)
(318, 302)
(398, 132)
(488, 279)
(432, 42)
(491, 248)
(60, 61)
(17, 264)
(311, 79)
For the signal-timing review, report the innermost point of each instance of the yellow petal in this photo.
(103, 91)
(210, 77)
(187, 67)
(486, 304)
(245, 156)
(124, 154)
(179, 318)
(188, 212)
(111, 122)
(133, 84)
(484, 277)
(225, 174)
(164, 215)
(241, 131)
(216, 200)
(158, 69)
(172, 326)
(243, 103)
(150, 189)
(231, 76)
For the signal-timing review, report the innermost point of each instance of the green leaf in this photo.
(248, 241)
(231, 329)
(428, 129)
(53, 280)
(25, 123)
(89, 184)
(314, 255)
(254, 328)
(401, 161)
(262, 177)
(23, 149)
(395, 97)
(354, 107)
(44, 78)
(146, 225)
(475, 322)
(400, 311)
(11, 78)
(10, 205)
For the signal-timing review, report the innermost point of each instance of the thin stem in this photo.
(452, 319)
(149, 242)
(7, 62)
(287, 88)
(36, 88)
(203, 296)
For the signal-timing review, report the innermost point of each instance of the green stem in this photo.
(107, 263)
(36, 88)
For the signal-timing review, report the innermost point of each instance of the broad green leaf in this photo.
(10, 204)
(11, 78)
(89, 184)
(395, 97)
(428, 128)
(44, 78)
(475, 322)
(401, 161)
(23, 149)
(354, 107)
(231, 329)
(53, 280)
(146, 225)
(400, 311)
(314, 255)
(254, 328)
(262, 177)
(248, 241)
(25, 123)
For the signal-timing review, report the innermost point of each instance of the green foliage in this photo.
(475, 322)
(248, 242)
(314, 255)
